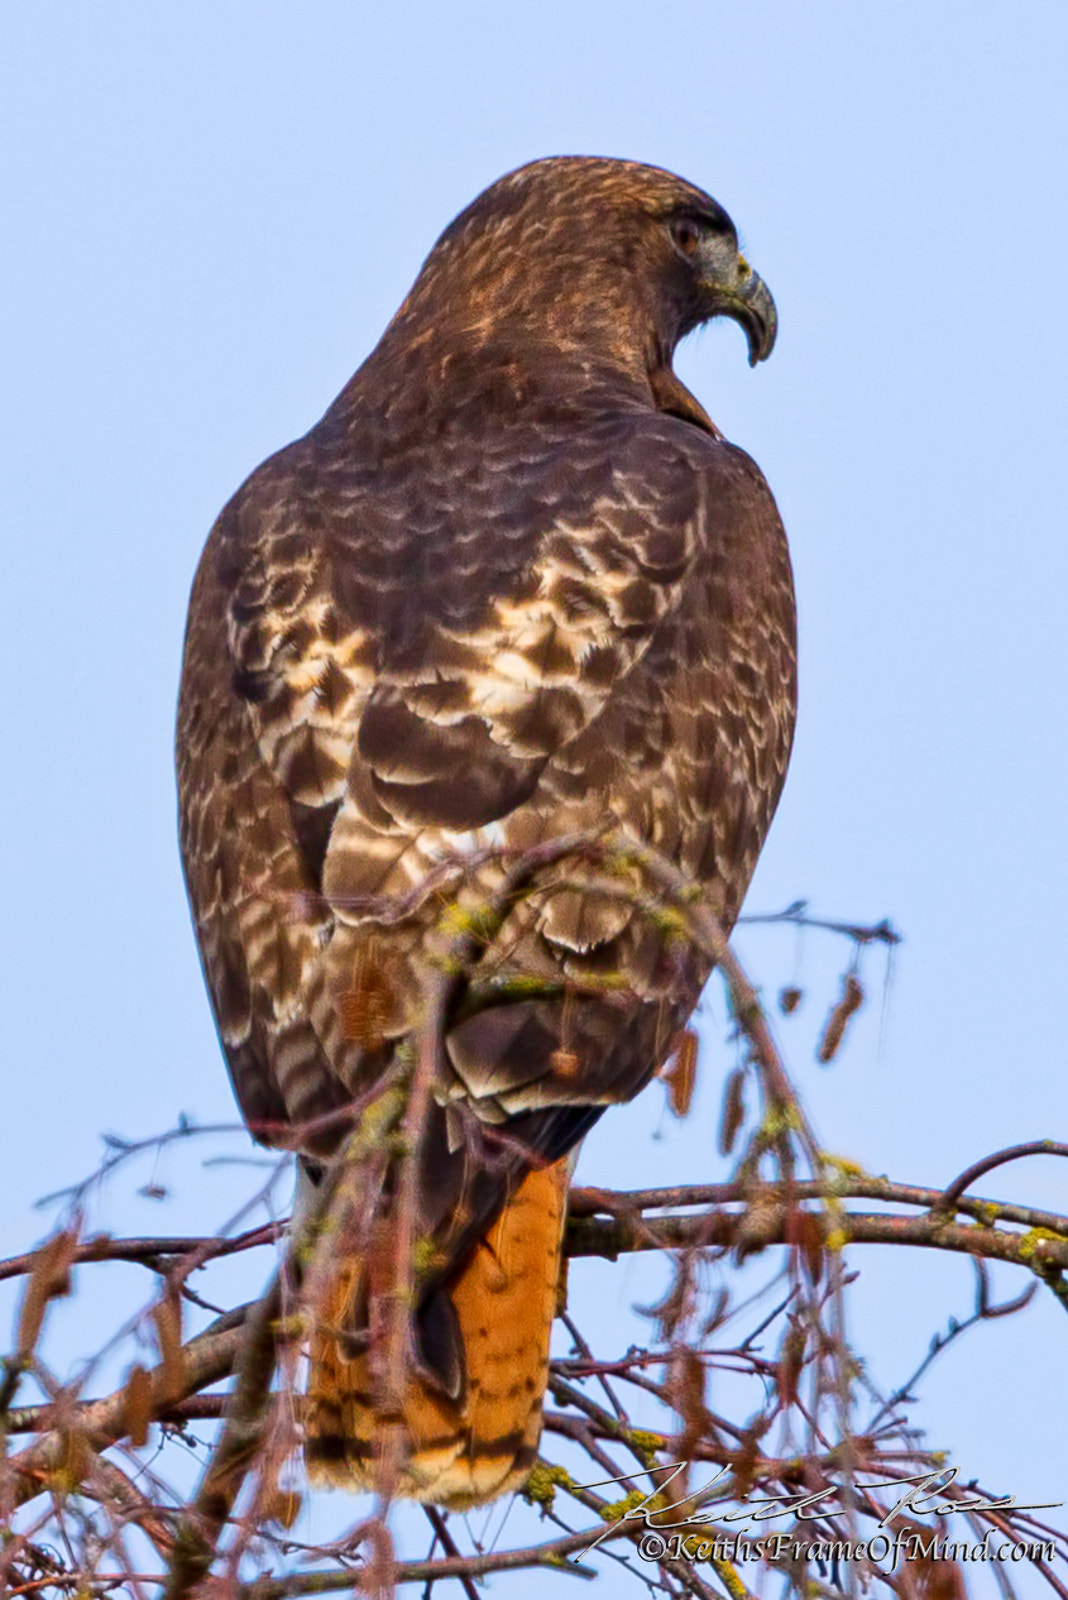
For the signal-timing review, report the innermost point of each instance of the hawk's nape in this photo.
(513, 586)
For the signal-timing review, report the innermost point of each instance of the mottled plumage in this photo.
(513, 585)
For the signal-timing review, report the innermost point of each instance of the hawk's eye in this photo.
(686, 234)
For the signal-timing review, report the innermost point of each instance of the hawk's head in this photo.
(601, 256)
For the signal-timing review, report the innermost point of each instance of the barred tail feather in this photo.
(465, 1452)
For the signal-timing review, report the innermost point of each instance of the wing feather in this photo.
(470, 653)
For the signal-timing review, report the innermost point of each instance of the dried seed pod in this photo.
(49, 1279)
(565, 1064)
(936, 1579)
(167, 1317)
(368, 1008)
(804, 1231)
(811, 1242)
(743, 1461)
(791, 1361)
(137, 1407)
(850, 1000)
(689, 1399)
(733, 1113)
(680, 1073)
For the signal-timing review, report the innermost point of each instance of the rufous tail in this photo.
(458, 1453)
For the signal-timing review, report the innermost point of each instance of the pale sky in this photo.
(210, 210)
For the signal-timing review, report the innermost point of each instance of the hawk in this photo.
(514, 585)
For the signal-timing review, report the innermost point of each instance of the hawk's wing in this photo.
(516, 637)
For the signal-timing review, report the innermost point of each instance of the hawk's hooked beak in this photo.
(735, 290)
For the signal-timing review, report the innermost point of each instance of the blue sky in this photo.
(211, 210)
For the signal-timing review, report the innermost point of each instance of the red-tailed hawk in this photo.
(513, 585)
